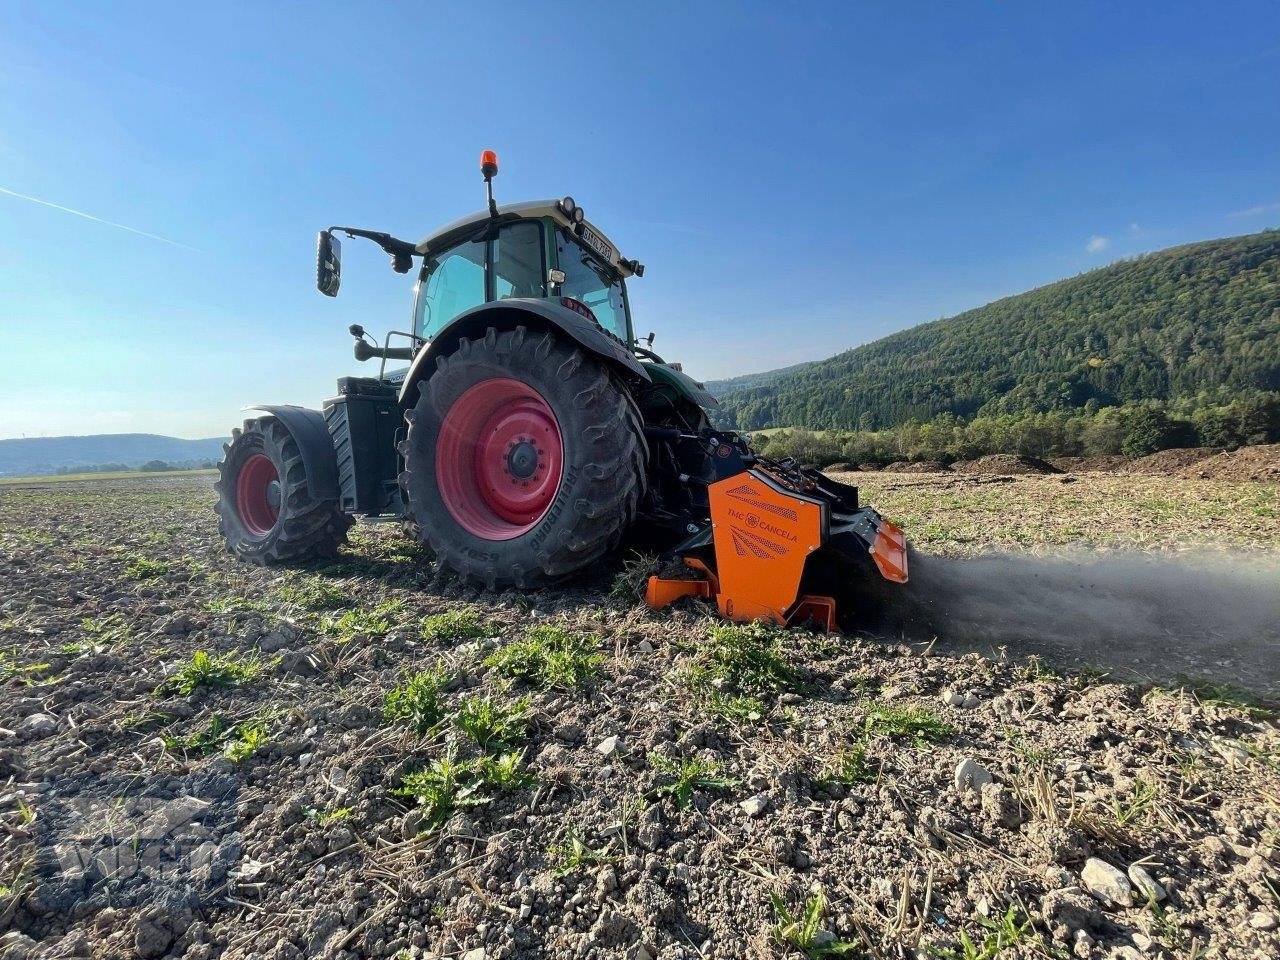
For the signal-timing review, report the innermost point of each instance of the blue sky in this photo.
(798, 177)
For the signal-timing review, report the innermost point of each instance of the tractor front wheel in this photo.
(525, 458)
(265, 512)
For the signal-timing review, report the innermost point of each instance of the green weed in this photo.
(449, 784)
(1137, 805)
(212, 670)
(492, 725)
(688, 776)
(629, 583)
(223, 606)
(107, 631)
(144, 568)
(452, 626)
(24, 674)
(548, 657)
(315, 593)
(745, 658)
(850, 766)
(415, 703)
(326, 817)
(203, 742)
(356, 623)
(1007, 931)
(246, 740)
(803, 931)
(921, 725)
(1213, 693)
(573, 855)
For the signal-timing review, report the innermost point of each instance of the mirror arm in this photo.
(393, 246)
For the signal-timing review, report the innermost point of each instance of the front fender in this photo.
(508, 314)
(311, 434)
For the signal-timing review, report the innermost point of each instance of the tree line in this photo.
(1131, 430)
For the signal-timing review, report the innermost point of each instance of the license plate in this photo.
(597, 243)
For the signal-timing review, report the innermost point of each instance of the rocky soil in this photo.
(587, 778)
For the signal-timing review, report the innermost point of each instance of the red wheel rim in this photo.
(258, 494)
(499, 458)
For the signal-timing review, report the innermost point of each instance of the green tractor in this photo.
(530, 430)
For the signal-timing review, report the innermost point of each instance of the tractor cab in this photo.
(543, 249)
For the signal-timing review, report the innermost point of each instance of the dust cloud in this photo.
(1143, 616)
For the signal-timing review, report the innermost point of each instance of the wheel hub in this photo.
(522, 460)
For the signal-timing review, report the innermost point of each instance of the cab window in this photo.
(590, 282)
(517, 261)
(452, 283)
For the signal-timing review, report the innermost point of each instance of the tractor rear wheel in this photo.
(265, 512)
(525, 458)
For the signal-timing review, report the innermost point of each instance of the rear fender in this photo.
(509, 314)
(311, 434)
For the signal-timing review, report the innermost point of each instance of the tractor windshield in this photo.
(594, 284)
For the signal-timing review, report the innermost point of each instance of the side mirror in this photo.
(328, 264)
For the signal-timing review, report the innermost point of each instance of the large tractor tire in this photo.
(265, 513)
(525, 458)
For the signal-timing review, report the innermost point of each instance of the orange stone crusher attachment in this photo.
(780, 542)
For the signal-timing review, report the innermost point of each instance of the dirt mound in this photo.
(839, 468)
(868, 467)
(1004, 463)
(917, 466)
(1259, 464)
(1112, 464)
(1167, 462)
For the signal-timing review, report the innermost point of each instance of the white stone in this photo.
(608, 746)
(952, 698)
(1147, 886)
(754, 806)
(1106, 883)
(1263, 921)
(477, 954)
(971, 775)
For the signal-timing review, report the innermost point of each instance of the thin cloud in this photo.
(1097, 244)
(89, 216)
(1256, 211)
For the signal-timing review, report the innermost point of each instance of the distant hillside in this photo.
(1194, 322)
(34, 456)
(747, 380)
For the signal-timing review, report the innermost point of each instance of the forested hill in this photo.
(1194, 324)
